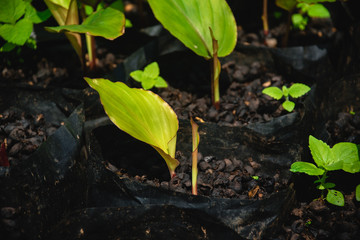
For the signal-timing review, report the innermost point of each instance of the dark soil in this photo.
(241, 103)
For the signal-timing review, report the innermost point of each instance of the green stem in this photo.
(264, 18)
(90, 45)
(215, 73)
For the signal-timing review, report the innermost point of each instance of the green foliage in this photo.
(17, 18)
(142, 114)
(306, 9)
(149, 78)
(357, 193)
(106, 22)
(206, 27)
(342, 156)
(295, 91)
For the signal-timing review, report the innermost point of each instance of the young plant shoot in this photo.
(296, 90)
(195, 144)
(342, 156)
(208, 28)
(149, 78)
(106, 22)
(142, 114)
(17, 18)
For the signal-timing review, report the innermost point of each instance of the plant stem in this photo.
(195, 144)
(90, 45)
(265, 18)
(215, 73)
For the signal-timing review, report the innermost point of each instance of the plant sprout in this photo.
(142, 114)
(195, 144)
(295, 91)
(208, 28)
(149, 78)
(342, 156)
(17, 18)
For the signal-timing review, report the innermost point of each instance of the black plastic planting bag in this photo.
(199, 214)
(47, 185)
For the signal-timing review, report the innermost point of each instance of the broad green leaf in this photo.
(137, 75)
(335, 197)
(318, 10)
(160, 83)
(35, 16)
(357, 193)
(288, 105)
(320, 152)
(152, 70)
(190, 20)
(329, 185)
(347, 154)
(65, 12)
(108, 23)
(273, 92)
(298, 89)
(142, 114)
(11, 10)
(17, 33)
(305, 167)
(288, 5)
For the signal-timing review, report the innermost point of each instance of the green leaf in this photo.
(190, 20)
(160, 83)
(318, 10)
(329, 185)
(320, 151)
(315, 1)
(7, 47)
(305, 167)
(288, 105)
(17, 33)
(347, 154)
(147, 83)
(35, 16)
(137, 75)
(285, 91)
(142, 114)
(152, 70)
(273, 92)
(288, 5)
(299, 21)
(335, 197)
(108, 23)
(11, 10)
(298, 89)
(357, 193)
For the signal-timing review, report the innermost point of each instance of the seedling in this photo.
(17, 18)
(149, 78)
(295, 91)
(106, 22)
(307, 8)
(342, 156)
(255, 177)
(142, 114)
(195, 144)
(208, 28)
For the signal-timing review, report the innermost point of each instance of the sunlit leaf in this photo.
(17, 33)
(305, 167)
(273, 92)
(347, 154)
(190, 20)
(11, 10)
(142, 114)
(288, 105)
(288, 5)
(318, 10)
(298, 89)
(320, 151)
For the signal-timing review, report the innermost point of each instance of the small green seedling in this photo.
(295, 91)
(17, 18)
(255, 177)
(208, 28)
(149, 78)
(342, 156)
(142, 114)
